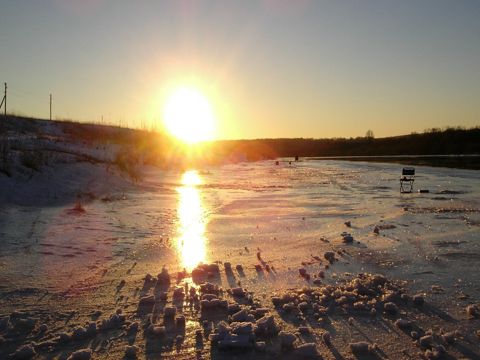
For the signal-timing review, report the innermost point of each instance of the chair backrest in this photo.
(408, 171)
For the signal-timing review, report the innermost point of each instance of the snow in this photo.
(61, 269)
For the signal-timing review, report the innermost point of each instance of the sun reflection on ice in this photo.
(192, 221)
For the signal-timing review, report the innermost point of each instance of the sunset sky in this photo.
(269, 68)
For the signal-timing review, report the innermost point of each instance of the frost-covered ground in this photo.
(79, 238)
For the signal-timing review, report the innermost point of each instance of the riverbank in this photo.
(471, 162)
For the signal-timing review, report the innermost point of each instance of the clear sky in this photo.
(270, 68)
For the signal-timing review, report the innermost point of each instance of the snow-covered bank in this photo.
(43, 164)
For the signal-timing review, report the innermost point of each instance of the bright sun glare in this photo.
(188, 115)
(193, 221)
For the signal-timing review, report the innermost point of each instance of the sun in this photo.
(188, 115)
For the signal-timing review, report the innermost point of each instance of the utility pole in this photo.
(4, 100)
(50, 107)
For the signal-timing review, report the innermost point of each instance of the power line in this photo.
(25, 95)
(22, 96)
(23, 92)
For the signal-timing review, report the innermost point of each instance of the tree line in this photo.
(449, 141)
(161, 150)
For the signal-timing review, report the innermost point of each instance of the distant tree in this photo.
(369, 134)
(432, 131)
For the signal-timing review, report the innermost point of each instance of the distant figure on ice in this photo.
(296, 157)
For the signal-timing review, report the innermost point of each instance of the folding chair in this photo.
(407, 179)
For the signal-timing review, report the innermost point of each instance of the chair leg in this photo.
(406, 187)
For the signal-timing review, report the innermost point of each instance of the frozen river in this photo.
(289, 212)
(273, 220)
